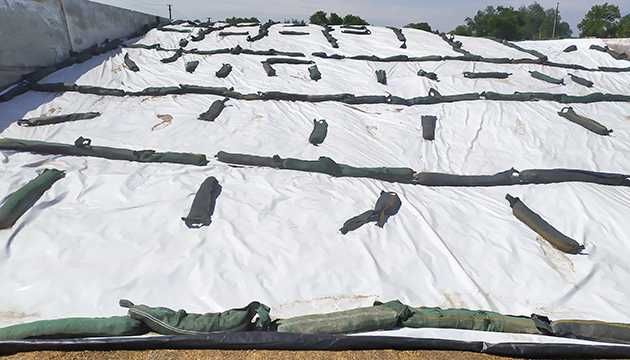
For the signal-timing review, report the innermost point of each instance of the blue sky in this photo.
(443, 15)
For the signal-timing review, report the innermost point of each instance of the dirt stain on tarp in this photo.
(559, 261)
(15, 315)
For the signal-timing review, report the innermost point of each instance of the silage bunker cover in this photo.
(113, 229)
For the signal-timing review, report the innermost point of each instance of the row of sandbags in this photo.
(141, 319)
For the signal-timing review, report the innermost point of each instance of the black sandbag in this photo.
(131, 65)
(250, 160)
(285, 32)
(323, 165)
(273, 61)
(570, 49)
(215, 110)
(210, 52)
(590, 124)
(592, 330)
(48, 120)
(174, 57)
(606, 49)
(183, 43)
(323, 55)
(357, 32)
(95, 90)
(547, 78)
(508, 177)
(200, 36)
(18, 202)
(279, 95)
(381, 77)
(191, 66)
(537, 54)
(592, 98)
(387, 205)
(399, 34)
(157, 91)
(143, 46)
(320, 130)
(224, 71)
(203, 205)
(550, 176)
(209, 90)
(272, 52)
(233, 33)
(330, 38)
(354, 27)
(430, 75)
(581, 81)
(428, 127)
(268, 69)
(83, 147)
(486, 75)
(165, 29)
(18, 89)
(542, 227)
(367, 99)
(439, 98)
(314, 73)
(389, 174)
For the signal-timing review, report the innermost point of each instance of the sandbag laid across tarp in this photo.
(430, 75)
(331, 39)
(486, 75)
(545, 77)
(214, 111)
(203, 205)
(18, 202)
(580, 80)
(357, 32)
(570, 49)
(543, 228)
(400, 36)
(288, 32)
(233, 33)
(428, 126)
(191, 66)
(183, 43)
(169, 322)
(83, 147)
(56, 119)
(606, 49)
(273, 61)
(178, 53)
(130, 64)
(263, 30)
(550, 176)
(320, 130)
(508, 177)
(75, 328)
(590, 124)
(269, 70)
(591, 330)
(436, 97)
(479, 320)
(314, 73)
(224, 71)
(387, 205)
(385, 316)
(381, 77)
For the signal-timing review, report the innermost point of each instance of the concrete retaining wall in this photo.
(38, 33)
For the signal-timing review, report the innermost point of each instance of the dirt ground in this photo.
(250, 355)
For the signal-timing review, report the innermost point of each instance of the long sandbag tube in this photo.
(174, 57)
(191, 66)
(165, 321)
(269, 70)
(387, 205)
(273, 61)
(320, 130)
(49, 120)
(535, 53)
(385, 316)
(542, 227)
(381, 77)
(590, 124)
(331, 39)
(592, 330)
(203, 205)
(606, 49)
(263, 30)
(83, 147)
(547, 78)
(288, 32)
(428, 126)
(455, 45)
(486, 75)
(430, 75)
(69, 328)
(224, 71)
(357, 32)
(130, 64)
(580, 80)
(233, 33)
(214, 111)
(314, 73)
(18, 202)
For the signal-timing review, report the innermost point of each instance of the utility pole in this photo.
(555, 21)
(170, 14)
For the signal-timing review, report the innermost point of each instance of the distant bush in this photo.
(321, 18)
(294, 21)
(237, 20)
(420, 26)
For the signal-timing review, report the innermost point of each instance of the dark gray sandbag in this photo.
(74, 328)
(354, 27)
(191, 66)
(357, 32)
(200, 36)
(272, 52)
(165, 29)
(203, 205)
(399, 34)
(592, 98)
(233, 33)
(174, 57)
(131, 65)
(273, 61)
(18, 202)
(581, 81)
(439, 98)
(381, 77)
(331, 39)
(323, 165)
(214, 111)
(550, 176)
(314, 73)
(143, 46)
(403, 45)
(428, 127)
(83, 147)
(320, 130)
(210, 52)
(508, 177)
(547, 78)
(224, 71)
(209, 90)
(268, 69)
(249, 160)
(183, 43)
(48, 120)
(387, 205)
(570, 49)
(157, 91)
(592, 330)
(390, 174)
(590, 124)
(486, 75)
(285, 32)
(430, 75)
(85, 89)
(542, 227)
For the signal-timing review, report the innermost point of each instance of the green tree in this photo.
(353, 20)
(462, 30)
(623, 29)
(420, 26)
(601, 21)
(335, 19)
(319, 18)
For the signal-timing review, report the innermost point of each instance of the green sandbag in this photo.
(381, 77)
(486, 75)
(131, 65)
(16, 204)
(314, 73)
(547, 78)
(165, 321)
(268, 69)
(580, 80)
(570, 49)
(83, 147)
(320, 130)
(214, 111)
(75, 328)
(429, 317)
(385, 316)
(592, 330)
(543, 228)
(324, 165)
(224, 71)
(48, 120)
(191, 66)
(289, 61)
(590, 124)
